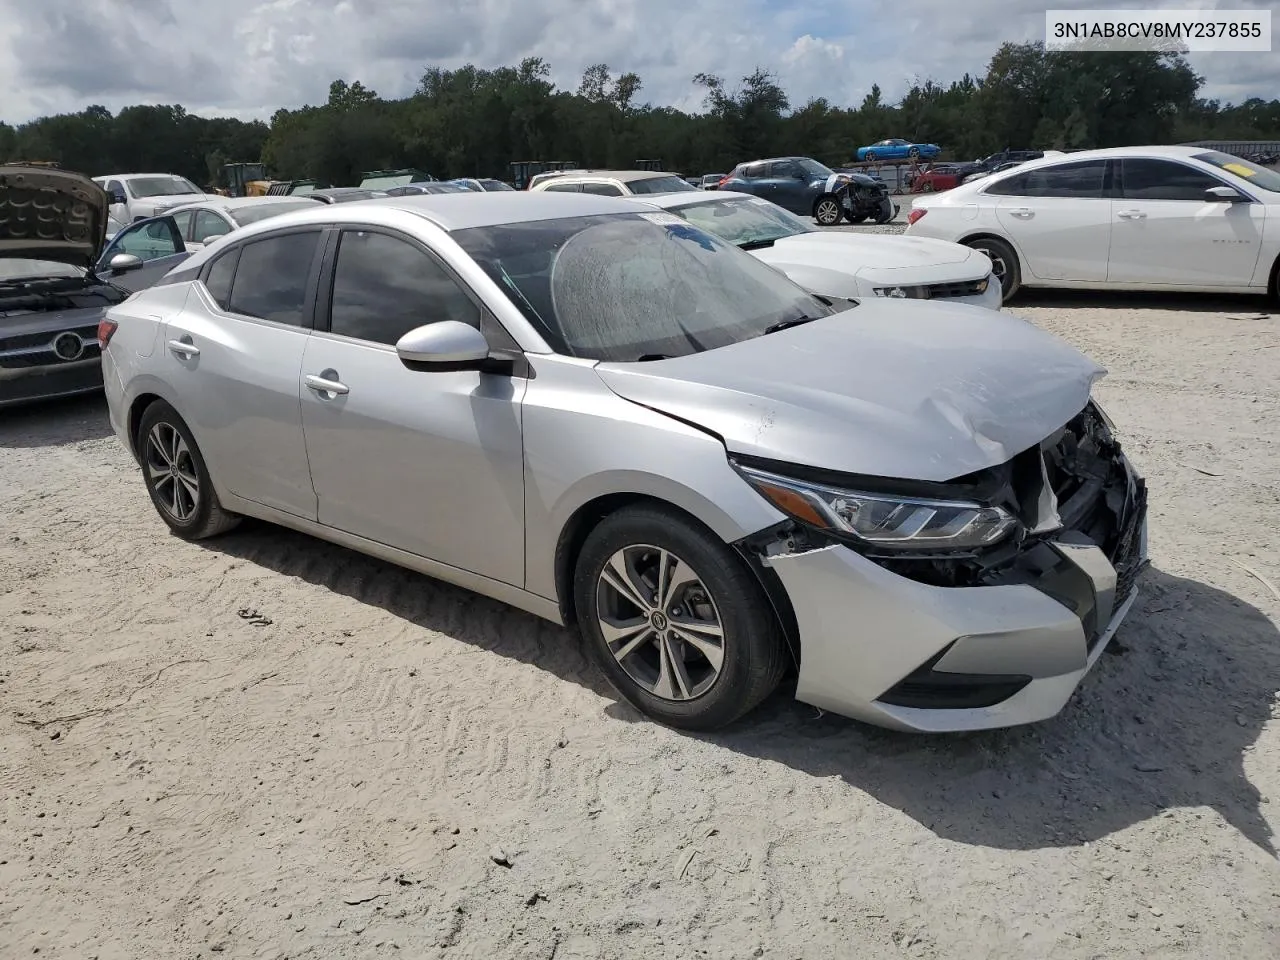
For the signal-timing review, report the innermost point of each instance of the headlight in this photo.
(900, 293)
(882, 520)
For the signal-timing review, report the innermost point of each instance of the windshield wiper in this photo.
(757, 244)
(653, 356)
(785, 324)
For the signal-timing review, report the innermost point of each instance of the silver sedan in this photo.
(601, 414)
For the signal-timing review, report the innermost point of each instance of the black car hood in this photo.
(49, 214)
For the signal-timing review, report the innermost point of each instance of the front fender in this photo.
(584, 442)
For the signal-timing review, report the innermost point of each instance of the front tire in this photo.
(827, 211)
(176, 477)
(675, 619)
(1004, 264)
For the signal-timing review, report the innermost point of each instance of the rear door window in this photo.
(272, 277)
(1081, 180)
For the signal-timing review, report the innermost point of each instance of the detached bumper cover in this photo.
(882, 642)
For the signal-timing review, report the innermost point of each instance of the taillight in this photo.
(915, 215)
(723, 181)
(105, 329)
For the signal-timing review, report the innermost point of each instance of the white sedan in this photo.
(1181, 219)
(835, 263)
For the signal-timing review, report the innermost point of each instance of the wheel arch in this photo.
(1273, 284)
(968, 238)
(136, 409)
(573, 536)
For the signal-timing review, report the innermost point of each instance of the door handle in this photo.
(1022, 213)
(184, 348)
(1131, 215)
(323, 384)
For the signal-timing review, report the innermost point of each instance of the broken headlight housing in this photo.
(882, 521)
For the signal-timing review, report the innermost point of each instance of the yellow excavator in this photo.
(245, 179)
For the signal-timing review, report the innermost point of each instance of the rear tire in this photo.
(1004, 264)
(675, 619)
(827, 210)
(914, 153)
(176, 477)
(871, 156)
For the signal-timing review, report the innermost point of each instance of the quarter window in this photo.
(1147, 179)
(383, 287)
(602, 189)
(271, 277)
(1083, 179)
(218, 281)
(557, 187)
(183, 222)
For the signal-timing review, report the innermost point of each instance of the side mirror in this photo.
(1229, 194)
(118, 197)
(448, 344)
(124, 263)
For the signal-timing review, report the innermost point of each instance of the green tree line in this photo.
(474, 122)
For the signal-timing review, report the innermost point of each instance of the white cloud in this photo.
(247, 57)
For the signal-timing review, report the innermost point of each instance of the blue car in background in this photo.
(899, 150)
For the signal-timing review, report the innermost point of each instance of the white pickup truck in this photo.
(136, 196)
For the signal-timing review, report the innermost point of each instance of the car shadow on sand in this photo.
(55, 423)
(1238, 305)
(1164, 720)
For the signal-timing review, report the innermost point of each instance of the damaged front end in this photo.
(1065, 518)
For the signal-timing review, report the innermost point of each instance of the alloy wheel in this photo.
(999, 269)
(171, 471)
(660, 623)
(827, 213)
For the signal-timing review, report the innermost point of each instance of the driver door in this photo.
(788, 186)
(156, 242)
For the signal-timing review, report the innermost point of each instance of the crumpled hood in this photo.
(857, 253)
(51, 214)
(910, 390)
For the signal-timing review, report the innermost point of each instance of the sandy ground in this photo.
(264, 746)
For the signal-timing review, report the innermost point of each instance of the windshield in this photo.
(388, 180)
(14, 269)
(660, 185)
(1246, 170)
(813, 168)
(261, 211)
(745, 221)
(623, 287)
(160, 186)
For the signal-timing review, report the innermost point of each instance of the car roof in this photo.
(138, 176)
(454, 211)
(1112, 153)
(671, 201)
(236, 203)
(624, 175)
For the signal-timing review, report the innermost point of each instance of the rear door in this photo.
(1059, 218)
(234, 356)
(1167, 230)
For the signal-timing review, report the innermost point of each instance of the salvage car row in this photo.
(604, 411)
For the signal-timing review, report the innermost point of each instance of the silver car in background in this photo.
(603, 415)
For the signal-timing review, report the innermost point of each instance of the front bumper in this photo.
(34, 383)
(897, 652)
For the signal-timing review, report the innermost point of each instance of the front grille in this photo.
(36, 349)
(967, 288)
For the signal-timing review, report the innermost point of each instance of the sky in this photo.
(246, 58)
